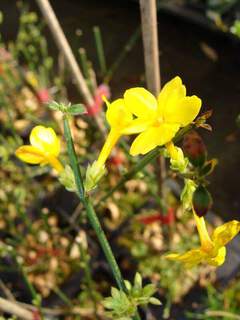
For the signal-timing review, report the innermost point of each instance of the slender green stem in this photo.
(127, 48)
(89, 279)
(85, 67)
(100, 49)
(142, 163)
(28, 283)
(90, 210)
(62, 296)
(138, 167)
(84, 63)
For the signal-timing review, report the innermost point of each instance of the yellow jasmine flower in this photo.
(212, 250)
(160, 118)
(121, 121)
(44, 148)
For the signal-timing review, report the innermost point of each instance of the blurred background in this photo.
(199, 41)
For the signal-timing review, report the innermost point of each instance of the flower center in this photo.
(158, 122)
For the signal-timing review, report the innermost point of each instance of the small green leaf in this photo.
(53, 105)
(108, 303)
(76, 109)
(149, 290)
(115, 293)
(155, 301)
(128, 285)
(138, 281)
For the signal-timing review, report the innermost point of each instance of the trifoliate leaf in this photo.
(76, 109)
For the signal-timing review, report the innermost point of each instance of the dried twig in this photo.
(223, 314)
(65, 48)
(15, 309)
(150, 44)
(152, 65)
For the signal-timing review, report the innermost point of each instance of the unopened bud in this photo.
(67, 179)
(93, 175)
(195, 149)
(202, 201)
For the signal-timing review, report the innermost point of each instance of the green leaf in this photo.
(155, 301)
(149, 290)
(138, 281)
(108, 303)
(115, 293)
(128, 285)
(76, 109)
(54, 105)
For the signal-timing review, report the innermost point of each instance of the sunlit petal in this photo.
(136, 126)
(225, 233)
(172, 92)
(219, 259)
(117, 114)
(190, 258)
(182, 111)
(152, 137)
(30, 154)
(140, 102)
(45, 139)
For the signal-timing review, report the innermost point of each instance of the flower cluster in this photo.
(155, 121)
(212, 249)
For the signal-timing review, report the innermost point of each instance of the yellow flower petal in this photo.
(172, 91)
(190, 258)
(182, 111)
(117, 114)
(45, 139)
(152, 137)
(140, 102)
(219, 259)
(110, 142)
(55, 163)
(206, 242)
(225, 233)
(30, 154)
(136, 126)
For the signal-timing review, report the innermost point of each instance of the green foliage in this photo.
(124, 306)
(224, 304)
(71, 109)
(66, 178)
(94, 174)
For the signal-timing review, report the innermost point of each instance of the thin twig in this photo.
(150, 44)
(6, 291)
(15, 309)
(152, 65)
(223, 314)
(65, 48)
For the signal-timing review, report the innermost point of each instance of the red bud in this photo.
(195, 149)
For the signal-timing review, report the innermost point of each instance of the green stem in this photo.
(85, 67)
(90, 211)
(100, 50)
(89, 279)
(127, 48)
(142, 163)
